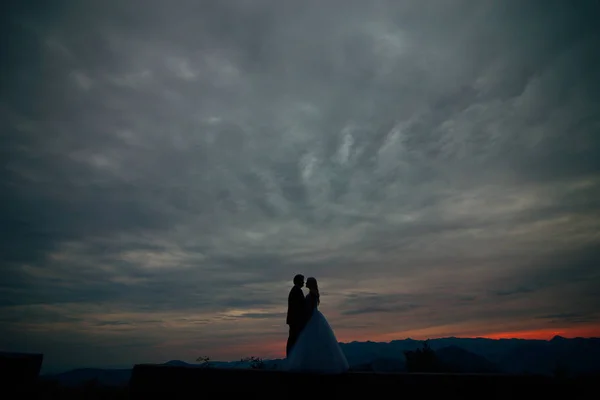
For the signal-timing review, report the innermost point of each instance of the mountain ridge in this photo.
(513, 356)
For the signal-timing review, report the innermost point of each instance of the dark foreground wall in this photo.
(19, 370)
(263, 384)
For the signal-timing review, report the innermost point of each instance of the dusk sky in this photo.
(169, 166)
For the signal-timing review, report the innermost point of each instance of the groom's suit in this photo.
(296, 316)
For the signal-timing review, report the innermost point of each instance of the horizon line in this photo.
(475, 337)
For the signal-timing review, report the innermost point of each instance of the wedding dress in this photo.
(317, 348)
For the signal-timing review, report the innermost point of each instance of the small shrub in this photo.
(422, 360)
(205, 361)
(255, 362)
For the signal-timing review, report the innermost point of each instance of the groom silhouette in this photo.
(296, 314)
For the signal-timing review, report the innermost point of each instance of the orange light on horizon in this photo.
(546, 334)
(455, 331)
(276, 349)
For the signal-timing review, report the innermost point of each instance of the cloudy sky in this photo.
(167, 167)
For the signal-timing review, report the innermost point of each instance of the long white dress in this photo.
(317, 349)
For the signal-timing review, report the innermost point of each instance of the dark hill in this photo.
(456, 359)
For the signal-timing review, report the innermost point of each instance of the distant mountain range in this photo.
(513, 356)
(462, 355)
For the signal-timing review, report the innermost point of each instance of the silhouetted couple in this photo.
(312, 345)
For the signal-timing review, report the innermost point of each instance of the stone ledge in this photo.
(19, 370)
(266, 384)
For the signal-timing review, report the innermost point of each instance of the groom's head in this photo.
(299, 280)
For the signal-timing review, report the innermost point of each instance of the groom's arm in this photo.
(298, 305)
(292, 308)
(298, 299)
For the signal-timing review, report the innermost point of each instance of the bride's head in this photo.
(311, 284)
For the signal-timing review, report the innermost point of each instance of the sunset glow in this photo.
(547, 334)
(277, 349)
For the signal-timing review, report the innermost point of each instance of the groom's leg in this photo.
(294, 332)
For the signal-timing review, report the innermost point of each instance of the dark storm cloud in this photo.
(517, 290)
(181, 162)
(570, 318)
(368, 303)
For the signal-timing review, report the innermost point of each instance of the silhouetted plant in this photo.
(255, 362)
(205, 361)
(422, 360)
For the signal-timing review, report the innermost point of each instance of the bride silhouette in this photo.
(317, 348)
